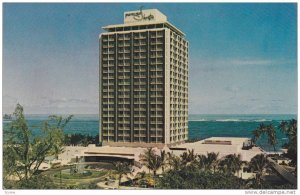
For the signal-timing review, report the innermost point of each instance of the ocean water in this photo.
(200, 126)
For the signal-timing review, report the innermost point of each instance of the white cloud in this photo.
(211, 64)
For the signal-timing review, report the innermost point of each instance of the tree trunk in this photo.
(120, 177)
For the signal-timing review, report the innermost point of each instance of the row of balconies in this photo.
(106, 39)
(105, 46)
(178, 52)
(136, 108)
(108, 52)
(137, 37)
(180, 62)
(178, 121)
(107, 84)
(108, 58)
(108, 71)
(158, 76)
(179, 100)
(181, 48)
(176, 71)
(107, 90)
(122, 51)
(121, 38)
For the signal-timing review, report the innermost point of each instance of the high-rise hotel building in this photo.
(143, 81)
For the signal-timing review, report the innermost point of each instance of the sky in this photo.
(242, 57)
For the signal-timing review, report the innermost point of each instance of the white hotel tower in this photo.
(143, 81)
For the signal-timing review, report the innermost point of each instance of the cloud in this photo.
(277, 100)
(8, 99)
(70, 101)
(254, 62)
(260, 62)
(232, 88)
(253, 99)
(211, 64)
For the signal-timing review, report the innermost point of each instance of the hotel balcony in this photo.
(139, 83)
(108, 109)
(120, 136)
(123, 102)
(108, 90)
(123, 77)
(123, 116)
(139, 135)
(139, 109)
(140, 37)
(108, 71)
(139, 102)
(127, 121)
(156, 109)
(139, 122)
(108, 122)
(139, 89)
(123, 109)
(123, 96)
(156, 102)
(156, 69)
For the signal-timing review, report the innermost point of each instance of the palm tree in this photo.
(148, 153)
(212, 160)
(268, 130)
(231, 164)
(290, 129)
(258, 165)
(188, 157)
(155, 163)
(163, 156)
(201, 161)
(208, 162)
(152, 161)
(174, 162)
(122, 168)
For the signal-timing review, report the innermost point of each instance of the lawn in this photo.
(86, 180)
(88, 174)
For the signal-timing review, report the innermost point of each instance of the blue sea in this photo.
(200, 126)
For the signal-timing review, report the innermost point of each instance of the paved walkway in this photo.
(283, 172)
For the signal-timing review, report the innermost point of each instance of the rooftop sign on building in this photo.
(142, 16)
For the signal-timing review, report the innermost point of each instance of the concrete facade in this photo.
(143, 81)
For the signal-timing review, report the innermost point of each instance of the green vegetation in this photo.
(79, 139)
(268, 130)
(290, 129)
(122, 168)
(152, 161)
(87, 180)
(259, 165)
(187, 178)
(191, 171)
(35, 182)
(231, 164)
(208, 162)
(287, 127)
(87, 174)
(24, 153)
